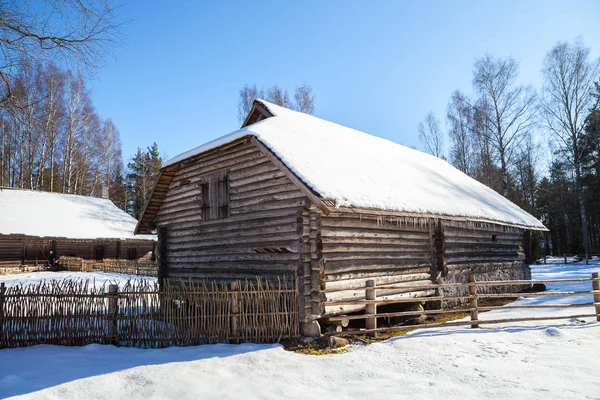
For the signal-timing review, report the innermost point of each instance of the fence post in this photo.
(595, 287)
(565, 258)
(235, 310)
(113, 308)
(473, 301)
(370, 294)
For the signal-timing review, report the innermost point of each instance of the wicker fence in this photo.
(137, 314)
(129, 267)
(470, 294)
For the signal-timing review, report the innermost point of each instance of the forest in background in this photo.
(51, 136)
(540, 148)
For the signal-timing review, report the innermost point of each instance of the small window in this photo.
(494, 238)
(215, 196)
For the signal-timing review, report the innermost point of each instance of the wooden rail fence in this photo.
(137, 314)
(474, 295)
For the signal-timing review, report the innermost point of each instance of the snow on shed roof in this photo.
(356, 169)
(34, 213)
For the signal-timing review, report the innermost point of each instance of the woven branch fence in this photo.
(120, 266)
(137, 314)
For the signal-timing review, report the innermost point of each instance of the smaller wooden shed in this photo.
(38, 227)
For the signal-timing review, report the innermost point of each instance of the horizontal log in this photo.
(262, 167)
(260, 185)
(240, 204)
(374, 265)
(374, 257)
(358, 294)
(259, 193)
(482, 260)
(231, 258)
(374, 242)
(371, 233)
(379, 280)
(373, 274)
(356, 223)
(232, 220)
(257, 178)
(375, 247)
(198, 235)
(272, 205)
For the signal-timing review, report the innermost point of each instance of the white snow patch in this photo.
(35, 213)
(553, 360)
(98, 278)
(358, 169)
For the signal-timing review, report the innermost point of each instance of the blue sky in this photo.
(377, 66)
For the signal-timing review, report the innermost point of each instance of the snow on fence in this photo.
(137, 314)
(474, 295)
(129, 267)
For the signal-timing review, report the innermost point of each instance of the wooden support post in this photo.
(113, 308)
(162, 254)
(235, 311)
(596, 286)
(370, 294)
(473, 301)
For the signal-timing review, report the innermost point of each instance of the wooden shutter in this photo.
(205, 202)
(215, 196)
(223, 196)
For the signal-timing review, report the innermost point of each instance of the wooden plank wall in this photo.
(12, 246)
(360, 248)
(260, 237)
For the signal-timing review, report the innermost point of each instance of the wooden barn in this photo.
(293, 194)
(36, 228)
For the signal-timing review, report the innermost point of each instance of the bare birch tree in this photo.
(77, 32)
(431, 136)
(304, 99)
(569, 76)
(459, 119)
(511, 108)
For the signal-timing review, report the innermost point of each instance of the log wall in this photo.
(388, 250)
(260, 236)
(415, 251)
(17, 249)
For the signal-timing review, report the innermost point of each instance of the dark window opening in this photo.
(132, 253)
(98, 253)
(215, 196)
(494, 238)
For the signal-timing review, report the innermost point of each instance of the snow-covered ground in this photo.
(552, 360)
(99, 278)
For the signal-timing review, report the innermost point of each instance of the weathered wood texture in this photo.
(260, 236)
(136, 313)
(384, 249)
(392, 250)
(31, 250)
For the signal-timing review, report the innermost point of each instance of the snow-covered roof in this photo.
(36, 213)
(356, 169)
